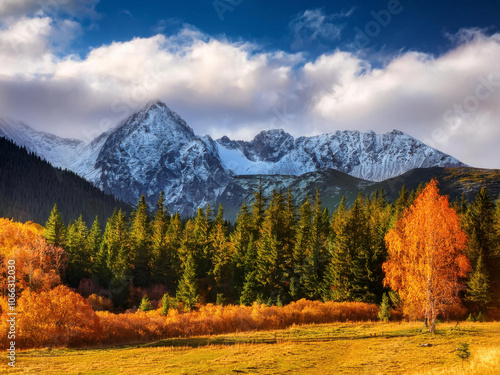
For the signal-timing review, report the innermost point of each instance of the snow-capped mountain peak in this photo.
(155, 150)
(368, 155)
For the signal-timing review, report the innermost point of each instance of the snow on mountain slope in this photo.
(54, 149)
(369, 156)
(156, 150)
(84, 160)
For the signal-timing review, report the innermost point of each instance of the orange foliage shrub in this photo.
(13, 235)
(61, 318)
(38, 264)
(56, 318)
(212, 319)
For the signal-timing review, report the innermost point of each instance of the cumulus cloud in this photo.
(220, 87)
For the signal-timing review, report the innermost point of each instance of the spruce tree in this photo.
(174, 247)
(166, 304)
(202, 246)
(78, 254)
(289, 236)
(338, 218)
(258, 211)
(317, 258)
(250, 290)
(302, 249)
(241, 238)
(402, 202)
(145, 304)
(478, 288)
(100, 269)
(347, 275)
(222, 258)
(55, 230)
(140, 240)
(480, 228)
(484, 240)
(94, 240)
(116, 246)
(187, 292)
(384, 313)
(270, 261)
(159, 257)
(363, 267)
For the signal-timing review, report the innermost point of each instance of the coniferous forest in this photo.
(30, 186)
(278, 251)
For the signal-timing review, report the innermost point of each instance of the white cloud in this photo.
(221, 87)
(24, 47)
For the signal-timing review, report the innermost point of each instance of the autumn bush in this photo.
(214, 319)
(56, 318)
(38, 265)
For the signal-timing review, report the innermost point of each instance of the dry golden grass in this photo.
(341, 348)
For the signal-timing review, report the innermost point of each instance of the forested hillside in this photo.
(280, 250)
(30, 186)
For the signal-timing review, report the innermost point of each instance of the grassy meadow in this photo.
(340, 348)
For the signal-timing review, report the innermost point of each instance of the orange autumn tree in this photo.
(38, 264)
(427, 263)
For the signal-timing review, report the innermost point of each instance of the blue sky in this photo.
(421, 25)
(235, 67)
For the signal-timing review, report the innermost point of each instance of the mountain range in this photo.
(155, 150)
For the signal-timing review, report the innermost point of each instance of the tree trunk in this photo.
(433, 319)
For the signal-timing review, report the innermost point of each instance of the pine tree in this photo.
(202, 245)
(174, 247)
(187, 293)
(77, 251)
(100, 269)
(348, 273)
(94, 240)
(116, 245)
(384, 313)
(55, 230)
(270, 263)
(302, 249)
(140, 239)
(145, 304)
(478, 288)
(379, 217)
(159, 256)
(222, 260)
(258, 211)
(241, 238)
(484, 240)
(289, 235)
(402, 202)
(480, 228)
(166, 304)
(250, 290)
(338, 218)
(317, 257)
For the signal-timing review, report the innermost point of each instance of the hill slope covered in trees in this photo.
(30, 186)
